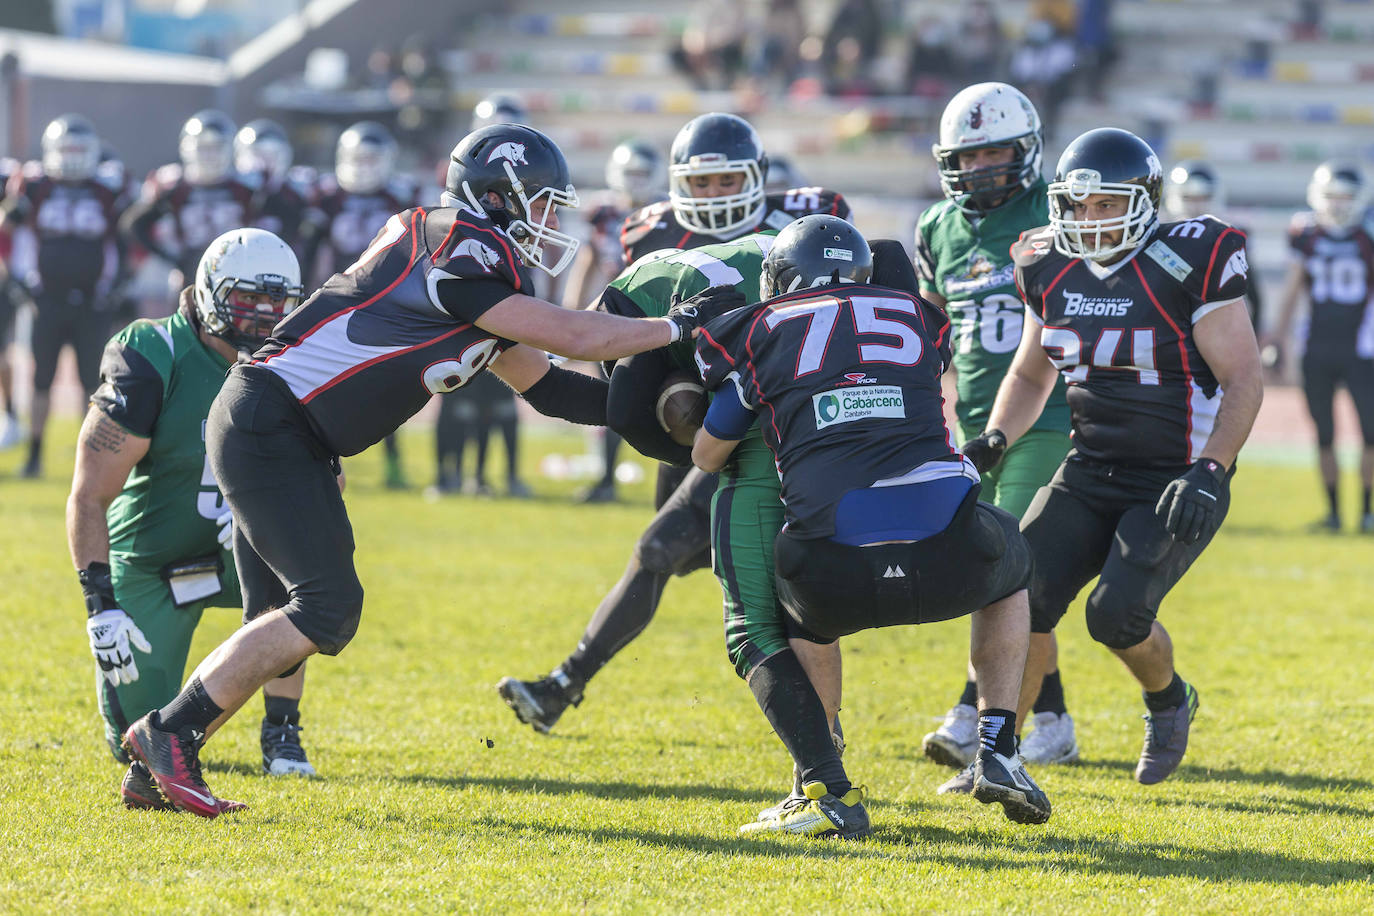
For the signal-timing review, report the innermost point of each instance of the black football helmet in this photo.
(1192, 189)
(519, 165)
(1105, 161)
(261, 147)
(815, 250)
(714, 144)
(71, 148)
(635, 169)
(206, 147)
(1337, 195)
(364, 158)
(499, 108)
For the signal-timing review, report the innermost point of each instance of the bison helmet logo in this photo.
(511, 151)
(975, 116)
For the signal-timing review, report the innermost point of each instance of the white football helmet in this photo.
(261, 147)
(1192, 189)
(635, 169)
(1338, 195)
(499, 108)
(247, 281)
(71, 148)
(365, 158)
(206, 147)
(982, 115)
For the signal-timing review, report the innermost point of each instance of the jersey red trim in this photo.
(354, 370)
(1212, 261)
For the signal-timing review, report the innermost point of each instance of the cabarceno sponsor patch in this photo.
(843, 405)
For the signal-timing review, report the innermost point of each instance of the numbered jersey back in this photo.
(846, 383)
(1122, 336)
(371, 346)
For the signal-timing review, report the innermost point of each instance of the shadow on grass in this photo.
(612, 790)
(1193, 773)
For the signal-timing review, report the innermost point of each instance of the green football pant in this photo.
(146, 598)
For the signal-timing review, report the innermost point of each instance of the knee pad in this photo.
(1116, 619)
(292, 670)
(674, 542)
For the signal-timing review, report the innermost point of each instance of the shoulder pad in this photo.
(1033, 246)
(805, 201)
(111, 174)
(473, 248)
(643, 221)
(153, 342)
(1303, 221)
(931, 216)
(1193, 238)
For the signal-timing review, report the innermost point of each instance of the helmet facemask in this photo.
(978, 190)
(1084, 238)
(718, 216)
(248, 325)
(70, 155)
(1336, 196)
(536, 241)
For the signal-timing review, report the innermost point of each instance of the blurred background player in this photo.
(284, 194)
(352, 207)
(717, 168)
(470, 413)
(147, 527)
(64, 211)
(636, 176)
(989, 157)
(1333, 267)
(186, 205)
(1193, 189)
(12, 298)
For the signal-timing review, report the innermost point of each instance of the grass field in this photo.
(434, 798)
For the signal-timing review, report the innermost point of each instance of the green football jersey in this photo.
(969, 264)
(650, 283)
(158, 381)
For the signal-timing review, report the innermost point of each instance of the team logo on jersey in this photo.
(485, 257)
(510, 151)
(858, 378)
(845, 405)
(1236, 266)
(982, 275)
(1078, 304)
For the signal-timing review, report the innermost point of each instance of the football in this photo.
(681, 406)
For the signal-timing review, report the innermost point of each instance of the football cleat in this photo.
(1331, 524)
(955, 742)
(1052, 741)
(173, 761)
(1004, 780)
(139, 793)
(11, 432)
(540, 703)
(602, 492)
(797, 797)
(1367, 523)
(822, 815)
(960, 783)
(282, 754)
(1166, 739)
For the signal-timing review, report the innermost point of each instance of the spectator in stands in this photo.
(981, 49)
(1042, 66)
(1096, 50)
(711, 51)
(852, 41)
(929, 60)
(775, 44)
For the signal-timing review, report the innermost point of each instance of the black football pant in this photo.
(293, 543)
(68, 317)
(677, 542)
(1323, 368)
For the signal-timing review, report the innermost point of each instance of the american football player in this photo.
(1332, 267)
(878, 503)
(1193, 188)
(988, 156)
(285, 193)
(149, 531)
(437, 297)
(1146, 322)
(64, 211)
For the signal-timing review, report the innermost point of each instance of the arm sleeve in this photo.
(131, 389)
(469, 299)
(635, 383)
(892, 268)
(570, 396)
(728, 417)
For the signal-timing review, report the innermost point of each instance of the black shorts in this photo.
(1097, 519)
(68, 317)
(1323, 368)
(832, 589)
(293, 544)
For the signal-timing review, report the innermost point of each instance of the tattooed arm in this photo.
(105, 454)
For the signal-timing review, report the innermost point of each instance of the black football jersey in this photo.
(1339, 274)
(350, 221)
(1139, 391)
(846, 383)
(654, 227)
(73, 225)
(369, 348)
(179, 220)
(284, 208)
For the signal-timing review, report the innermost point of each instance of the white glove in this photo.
(226, 529)
(110, 633)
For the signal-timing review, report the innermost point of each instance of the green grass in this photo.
(434, 798)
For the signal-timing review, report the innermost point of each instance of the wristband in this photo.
(674, 331)
(98, 588)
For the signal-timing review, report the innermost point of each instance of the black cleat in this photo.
(540, 703)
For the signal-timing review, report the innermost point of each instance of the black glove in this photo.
(986, 450)
(1192, 506)
(689, 314)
